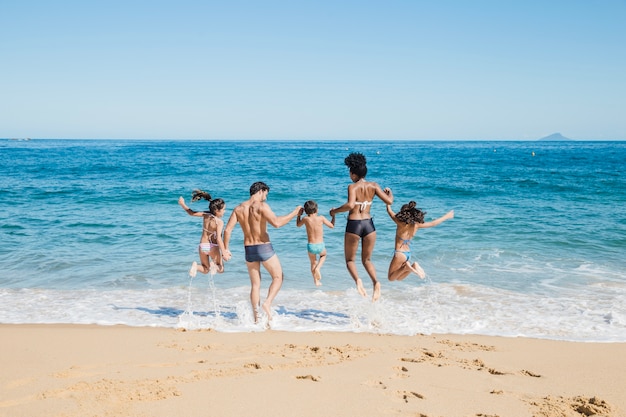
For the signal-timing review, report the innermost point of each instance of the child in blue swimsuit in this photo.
(408, 220)
(315, 235)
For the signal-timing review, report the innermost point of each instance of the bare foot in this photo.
(267, 310)
(376, 295)
(360, 288)
(193, 270)
(317, 277)
(416, 268)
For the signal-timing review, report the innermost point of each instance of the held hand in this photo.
(181, 201)
(227, 255)
(389, 193)
(301, 211)
(450, 214)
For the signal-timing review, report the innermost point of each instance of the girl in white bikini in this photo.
(211, 245)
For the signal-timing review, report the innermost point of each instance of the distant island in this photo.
(554, 138)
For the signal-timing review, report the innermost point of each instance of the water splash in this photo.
(187, 320)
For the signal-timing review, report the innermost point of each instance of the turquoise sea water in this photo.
(91, 232)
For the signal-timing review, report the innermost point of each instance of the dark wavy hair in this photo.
(258, 186)
(214, 205)
(409, 214)
(357, 163)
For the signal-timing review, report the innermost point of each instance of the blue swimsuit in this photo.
(407, 253)
(315, 248)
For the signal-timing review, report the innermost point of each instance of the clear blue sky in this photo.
(313, 70)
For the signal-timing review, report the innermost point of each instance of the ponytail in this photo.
(198, 195)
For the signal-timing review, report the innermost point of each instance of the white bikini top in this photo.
(363, 204)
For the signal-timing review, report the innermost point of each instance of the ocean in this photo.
(91, 233)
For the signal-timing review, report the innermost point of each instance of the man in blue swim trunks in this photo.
(253, 216)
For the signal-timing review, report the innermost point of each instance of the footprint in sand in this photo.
(528, 373)
(252, 366)
(467, 347)
(309, 377)
(409, 395)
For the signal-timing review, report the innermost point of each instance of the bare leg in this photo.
(313, 261)
(216, 257)
(351, 244)
(317, 272)
(193, 270)
(417, 269)
(366, 254)
(205, 262)
(254, 270)
(272, 265)
(400, 268)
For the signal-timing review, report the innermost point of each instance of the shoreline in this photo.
(443, 308)
(67, 370)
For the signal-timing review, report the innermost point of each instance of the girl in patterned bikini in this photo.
(211, 245)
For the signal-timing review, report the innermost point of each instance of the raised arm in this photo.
(390, 212)
(447, 216)
(299, 221)
(278, 221)
(181, 202)
(386, 195)
(328, 223)
(348, 205)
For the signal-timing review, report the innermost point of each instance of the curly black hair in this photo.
(410, 215)
(357, 163)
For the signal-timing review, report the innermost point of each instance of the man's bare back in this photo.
(250, 216)
(253, 216)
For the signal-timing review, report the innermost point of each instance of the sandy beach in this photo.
(73, 370)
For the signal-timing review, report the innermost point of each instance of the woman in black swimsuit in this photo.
(360, 226)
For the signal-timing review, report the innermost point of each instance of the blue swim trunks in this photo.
(315, 248)
(259, 253)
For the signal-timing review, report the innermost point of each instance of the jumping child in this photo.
(315, 235)
(211, 245)
(408, 220)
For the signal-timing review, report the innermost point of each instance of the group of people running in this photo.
(254, 214)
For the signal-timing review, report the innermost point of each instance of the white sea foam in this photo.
(412, 309)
